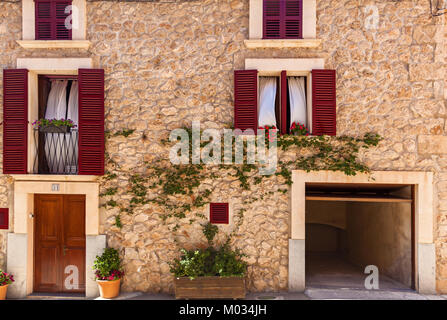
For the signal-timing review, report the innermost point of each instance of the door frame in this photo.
(424, 247)
(21, 240)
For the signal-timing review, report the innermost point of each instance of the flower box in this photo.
(54, 129)
(210, 288)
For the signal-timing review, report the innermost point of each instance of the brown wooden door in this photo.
(59, 243)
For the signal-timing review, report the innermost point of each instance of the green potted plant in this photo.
(5, 280)
(298, 129)
(210, 273)
(108, 273)
(54, 125)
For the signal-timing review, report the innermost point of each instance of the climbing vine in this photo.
(181, 191)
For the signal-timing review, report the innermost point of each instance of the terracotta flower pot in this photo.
(109, 289)
(3, 290)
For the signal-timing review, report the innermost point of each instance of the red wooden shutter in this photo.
(15, 121)
(219, 213)
(324, 103)
(284, 123)
(272, 19)
(293, 19)
(44, 20)
(4, 218)
(246, 99)
(50, 19)
(91, 121)
(62, 33)
(283, 19)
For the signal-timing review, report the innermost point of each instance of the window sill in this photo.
(282, 43)
(54, 177)
(54, 44)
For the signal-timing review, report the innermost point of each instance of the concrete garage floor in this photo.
(330, 277)
(331, 271)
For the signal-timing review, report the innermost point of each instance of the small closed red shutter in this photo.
(283, 19)
(284, 123)
(272, 19)
(4, 218)
(91, 121)
(15, 121)
(293, 19)
(44, 20)
(219, 213)
(324, 104)
(62, 32)
(246, 99)
(50, 19)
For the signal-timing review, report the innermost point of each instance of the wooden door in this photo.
(59, 243)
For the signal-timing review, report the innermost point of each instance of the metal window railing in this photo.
(56, 150)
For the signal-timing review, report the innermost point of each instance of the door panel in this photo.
(74, 243)
(59, 235)
(49, 280)
(48, 239)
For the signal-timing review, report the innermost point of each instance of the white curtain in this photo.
(297, 95)
(57, 100)
(266, 114)
(72, 114)
(56, 109)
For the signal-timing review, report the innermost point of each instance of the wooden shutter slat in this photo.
(15, 121)
(219, 213)
(324, 104)
(91, 121)
(246, 99)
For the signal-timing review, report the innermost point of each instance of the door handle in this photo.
(64, 250)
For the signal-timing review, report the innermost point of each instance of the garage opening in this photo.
(352, 226)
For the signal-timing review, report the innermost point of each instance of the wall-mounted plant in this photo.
(54, 125)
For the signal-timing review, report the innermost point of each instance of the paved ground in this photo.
(328, 278)
(312, 293)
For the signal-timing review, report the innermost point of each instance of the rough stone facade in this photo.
(167, 64)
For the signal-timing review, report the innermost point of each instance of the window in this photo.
(282, 24)
(51, 20)
(284, 99)
(219, 213)
(56, 149)
(89, 154)
(283, 19)
(44, 24)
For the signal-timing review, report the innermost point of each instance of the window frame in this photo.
(256, 25)
(45, 66)
(293, 67)
(292, 73)
(78, 39)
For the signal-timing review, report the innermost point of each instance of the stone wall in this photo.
(167, 64)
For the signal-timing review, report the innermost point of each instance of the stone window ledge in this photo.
(282, 43)
(54, 178)
(54, 44)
